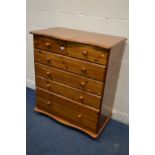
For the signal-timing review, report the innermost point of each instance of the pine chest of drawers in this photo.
(76, 75)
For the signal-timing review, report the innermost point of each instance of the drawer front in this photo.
(88, 53)
(50, 44)
(70, 79)
(69, 92)
(83, 68)
(66, 109)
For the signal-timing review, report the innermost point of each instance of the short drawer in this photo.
(83, 68)
(68, 110)
(87, 52)
(50, 44)
(70, 79)
(74, 94)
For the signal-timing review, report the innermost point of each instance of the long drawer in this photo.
(88, 53)
(70, 79)
(82, 68)
(74, 94)
(68, 110)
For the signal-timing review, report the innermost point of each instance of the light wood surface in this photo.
(100, 40)
(76, 76)
(76, 66)
(63, 107)
(112, 76)
(69, 92)
(88, 53)
(50, 44)
(70, 79)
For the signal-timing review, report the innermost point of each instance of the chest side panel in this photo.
(111, 81)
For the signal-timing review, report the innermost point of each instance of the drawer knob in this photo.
(48, 85)
(47, 44)
(81, 98)
(48, 73)
(83, 69)
(79, 116)
(62, 48)
(82, 84)
(85, 53)
(102, 55)
(48, 102)
(48, 59)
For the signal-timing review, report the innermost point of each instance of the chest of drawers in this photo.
(76, 75)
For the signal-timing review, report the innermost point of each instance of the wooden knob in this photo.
(48, 59)
(48, 85)
(48, 73)
(79, 116)
(62, 48)
(85, 53)
(82, 84)
(83, 69)
(81, 98)
(48, 102)
(47, 44)
(102, 55)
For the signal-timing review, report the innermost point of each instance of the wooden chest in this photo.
(76, 76)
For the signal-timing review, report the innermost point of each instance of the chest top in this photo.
(100, 40)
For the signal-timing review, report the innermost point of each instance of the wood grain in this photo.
(76, 76)
(82, 68)
(100, 40)
(70, 79)
(50, 44)
(63, 107)
(112, 76)
(88, 53)
(74, 94)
